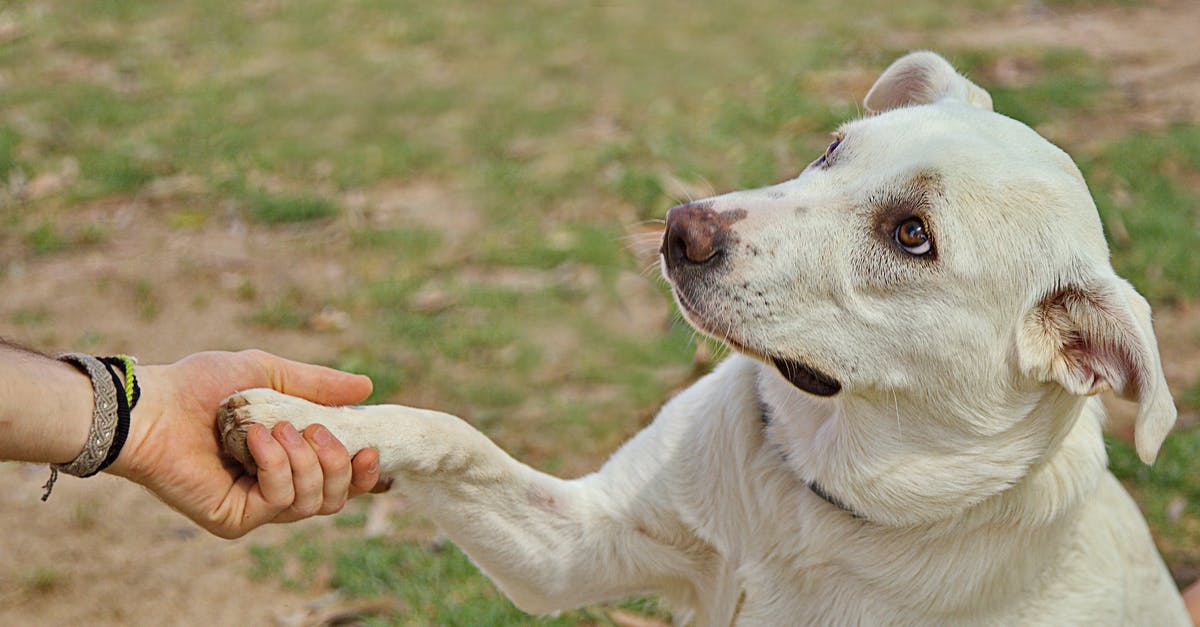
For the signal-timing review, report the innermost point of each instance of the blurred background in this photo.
(460, 200)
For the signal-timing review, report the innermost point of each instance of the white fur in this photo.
(964, 435)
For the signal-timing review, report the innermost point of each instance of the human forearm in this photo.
(45, 407)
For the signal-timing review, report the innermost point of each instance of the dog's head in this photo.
(936, 250)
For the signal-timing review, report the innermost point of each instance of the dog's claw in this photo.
(233, 423)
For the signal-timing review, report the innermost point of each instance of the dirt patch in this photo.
(105, 552)
(1148, 52)
(422, 204)
(162, 292)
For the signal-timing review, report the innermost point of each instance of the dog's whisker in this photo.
(896, 407)
(649, 269)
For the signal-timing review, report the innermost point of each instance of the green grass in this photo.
(1145, 189)
(387, 374)
(31, 317)
(287, 311)
(409, 241)
(1060, 83)
(148, 305)
(436, 584)
(43, 581)
(1168, 494)
(273, 209)
(419, 576)
(46, 239)
(9, 139)
(1191, 396)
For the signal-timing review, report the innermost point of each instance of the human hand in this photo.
(173, 448)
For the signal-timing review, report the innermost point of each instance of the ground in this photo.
(470, 228)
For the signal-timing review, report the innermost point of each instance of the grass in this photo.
(435, 583)
(31, 317)
(1168, 495)
(411, 241)
(144, 298)
(552, 128)
(1145, 190)
(1191, 396)
(287, 311)
(48, 237)
(271, 209)
(42, 581)
(45, 239)
(1059, 83)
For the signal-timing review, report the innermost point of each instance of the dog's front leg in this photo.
(549, 544)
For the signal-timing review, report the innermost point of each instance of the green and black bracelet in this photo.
(115, 397)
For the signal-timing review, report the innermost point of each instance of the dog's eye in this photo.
(913, 238)
(829, 151)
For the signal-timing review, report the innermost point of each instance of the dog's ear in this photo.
(1093, 336)
(922, 78)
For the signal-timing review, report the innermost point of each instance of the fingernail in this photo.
(373, 468)
(322, 437)
(289, 433)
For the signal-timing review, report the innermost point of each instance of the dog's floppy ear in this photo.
(1096, 335)
(922, 78)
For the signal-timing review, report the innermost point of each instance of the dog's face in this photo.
(937, 250)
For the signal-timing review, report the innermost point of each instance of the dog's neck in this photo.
(764, 413)
(883, 463)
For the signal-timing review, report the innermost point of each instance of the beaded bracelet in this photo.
(114, 399)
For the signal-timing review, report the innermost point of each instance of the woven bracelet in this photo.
(114, 399)
(122, 431)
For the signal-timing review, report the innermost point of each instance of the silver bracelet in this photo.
(104, 417)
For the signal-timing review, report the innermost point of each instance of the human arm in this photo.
(172, 449)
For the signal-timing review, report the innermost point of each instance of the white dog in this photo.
(909, 434)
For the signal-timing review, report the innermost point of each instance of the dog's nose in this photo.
(694, 235)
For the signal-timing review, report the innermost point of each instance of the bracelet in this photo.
(110, 415)
(132, 390)
(123, 407)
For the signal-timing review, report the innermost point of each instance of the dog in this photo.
(907, 433)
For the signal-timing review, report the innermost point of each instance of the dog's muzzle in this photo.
(694, 246)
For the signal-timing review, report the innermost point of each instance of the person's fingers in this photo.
(335, 468)
(254, 501)
(365, 475)
(307, 479)
(274, 471)
(315, 383)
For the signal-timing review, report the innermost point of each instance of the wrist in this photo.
(138, 456)
(71, 393)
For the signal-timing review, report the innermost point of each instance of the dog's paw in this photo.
(238, 412)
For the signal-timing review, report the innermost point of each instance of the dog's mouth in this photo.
(806, 377)
(796, 372)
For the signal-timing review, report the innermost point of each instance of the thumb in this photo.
(315, 383)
